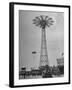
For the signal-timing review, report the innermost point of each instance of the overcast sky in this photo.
(30, 38)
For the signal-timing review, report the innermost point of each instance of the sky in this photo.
(30, 38)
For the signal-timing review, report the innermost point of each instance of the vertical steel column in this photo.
(43, 55)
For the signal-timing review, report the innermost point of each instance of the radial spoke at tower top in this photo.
(43, 21)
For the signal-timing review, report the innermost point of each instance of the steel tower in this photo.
(43, 22)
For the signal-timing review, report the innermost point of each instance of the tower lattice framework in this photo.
(43, 54)
(43, 22)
